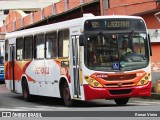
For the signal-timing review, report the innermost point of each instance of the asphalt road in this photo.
(14, 102)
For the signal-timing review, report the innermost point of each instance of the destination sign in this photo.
(115, 24)
(118, 24)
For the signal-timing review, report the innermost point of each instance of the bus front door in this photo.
(12, 56)
(75, 66)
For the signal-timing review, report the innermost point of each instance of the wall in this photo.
(151, 21)
(130, 7)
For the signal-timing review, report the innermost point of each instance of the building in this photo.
(26, 6)
(55, 12)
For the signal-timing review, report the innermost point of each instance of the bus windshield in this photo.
(116, 51)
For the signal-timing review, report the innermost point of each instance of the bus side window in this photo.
(63, 45)
(39, 46)
(28, 46)
(19, 48)
(51, 45)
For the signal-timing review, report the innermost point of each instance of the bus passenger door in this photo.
(75, 66)
(12, 72)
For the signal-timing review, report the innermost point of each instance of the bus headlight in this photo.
(144, 80)
(92, 82)
(96, 84)
(146, 77)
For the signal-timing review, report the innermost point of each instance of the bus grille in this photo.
(120, 77)
(127, 84)
(118, 92)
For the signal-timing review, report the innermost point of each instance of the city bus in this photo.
(80, 59)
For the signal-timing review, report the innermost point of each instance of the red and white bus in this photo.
(80, 59)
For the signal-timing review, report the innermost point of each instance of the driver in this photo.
(125, 49)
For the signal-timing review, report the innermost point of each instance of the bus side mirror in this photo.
(81, 40)
(149, 40)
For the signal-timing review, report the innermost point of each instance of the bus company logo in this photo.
(120, 84)
(42, 70)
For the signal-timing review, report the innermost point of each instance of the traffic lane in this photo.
(10, 100)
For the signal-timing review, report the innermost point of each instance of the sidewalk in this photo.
(155, 96)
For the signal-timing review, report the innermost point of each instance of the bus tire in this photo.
(66, 95)
(121, 101)
(25, 91)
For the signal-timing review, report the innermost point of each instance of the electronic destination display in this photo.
(114, 24)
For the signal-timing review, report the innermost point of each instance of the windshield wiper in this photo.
(131, 34)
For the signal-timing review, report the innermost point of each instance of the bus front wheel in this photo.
(67, 96)
(121, 101)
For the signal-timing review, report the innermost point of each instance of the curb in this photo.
(155, 96)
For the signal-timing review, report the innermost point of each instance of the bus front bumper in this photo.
(112, 93)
